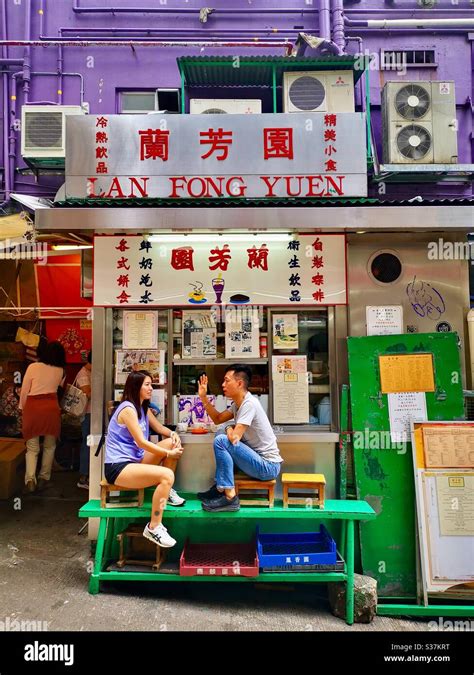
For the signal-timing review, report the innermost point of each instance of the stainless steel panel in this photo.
(447, 279)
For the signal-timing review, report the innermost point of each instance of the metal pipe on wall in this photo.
(337, 12)
(411, 23)
(7, 176)
(324, 20)
(133, 43)
(27, 54)
(186, 10)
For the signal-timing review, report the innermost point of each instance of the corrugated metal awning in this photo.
(257, 71)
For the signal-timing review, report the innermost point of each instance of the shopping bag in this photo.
(28, 338)
(74, 401)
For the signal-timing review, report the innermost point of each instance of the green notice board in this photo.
(383, 470)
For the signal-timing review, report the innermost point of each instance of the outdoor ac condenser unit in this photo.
(313, 91)
(43, 129)
(216, 106)
(419, 123)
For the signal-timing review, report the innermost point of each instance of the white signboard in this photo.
(214, 156)
(402, 408)
(305, 269)
(386, 320)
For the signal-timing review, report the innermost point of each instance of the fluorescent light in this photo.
(69, 247)
(204, 238)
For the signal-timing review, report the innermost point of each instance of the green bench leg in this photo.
(94, 580)
(350, 573)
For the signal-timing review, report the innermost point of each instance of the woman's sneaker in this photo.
(174, 499)
(159, 536)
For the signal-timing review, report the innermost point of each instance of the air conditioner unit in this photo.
(43, 129)
(318, 91)
(218, 106)
(419, 123)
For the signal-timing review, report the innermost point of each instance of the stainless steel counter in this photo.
(302, 452)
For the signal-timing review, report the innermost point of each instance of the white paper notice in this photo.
(402, 408)
(140, 330)
(386, 320)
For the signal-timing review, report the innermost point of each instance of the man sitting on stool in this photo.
(258, 456)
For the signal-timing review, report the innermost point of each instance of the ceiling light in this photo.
(204, 238)
(70, 247)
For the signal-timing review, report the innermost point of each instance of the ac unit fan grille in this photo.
(43, 130)
(213, 111)
(307, 93)
(412, 102)
(414, 141)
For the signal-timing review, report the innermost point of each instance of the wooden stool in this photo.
(255, 487)
(311, 481)
(136, 550)
(106, 488)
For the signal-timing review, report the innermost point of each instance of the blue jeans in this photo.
(85, 450)
(246, 459)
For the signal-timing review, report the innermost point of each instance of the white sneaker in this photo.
(159, 536)
(174, 499)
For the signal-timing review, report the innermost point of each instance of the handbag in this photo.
(74, 401)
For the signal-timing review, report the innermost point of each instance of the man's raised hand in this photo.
(202, 388)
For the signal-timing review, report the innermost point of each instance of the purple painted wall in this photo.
(107, 70)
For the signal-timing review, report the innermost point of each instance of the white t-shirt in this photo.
(259, 435)
(83, 379)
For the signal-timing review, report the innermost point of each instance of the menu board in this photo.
(199, 335)
(406, 372)
(140, 330)
(456, 504)
(449, 446)
(290, 389)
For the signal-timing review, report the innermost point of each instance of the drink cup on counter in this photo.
(182, 427)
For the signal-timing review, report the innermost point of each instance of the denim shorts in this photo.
(113, 470)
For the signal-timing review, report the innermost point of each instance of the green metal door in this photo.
(384, 475)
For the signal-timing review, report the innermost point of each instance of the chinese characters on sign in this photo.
(232, 272)
(196, 156)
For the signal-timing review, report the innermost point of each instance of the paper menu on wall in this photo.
(242, 333)
(199, 335)
(140, 330)
(406, 373)
(289, 364)
(402, 408)
(449, 446)
(290, 398)
(456, 504)
(285, 331)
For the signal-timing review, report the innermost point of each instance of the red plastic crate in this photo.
(218, 560)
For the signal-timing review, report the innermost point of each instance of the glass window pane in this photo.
(137, 101)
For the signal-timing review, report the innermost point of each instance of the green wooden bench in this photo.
(346, 511)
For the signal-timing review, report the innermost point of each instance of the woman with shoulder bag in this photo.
(41, 412)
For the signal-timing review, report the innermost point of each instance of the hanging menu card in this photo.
(290, 390)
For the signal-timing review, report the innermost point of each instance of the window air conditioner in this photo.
(318, 91)
(217, 106)
(43, 129)
(419, 123)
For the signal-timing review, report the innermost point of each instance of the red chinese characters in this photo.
(218, 140)
(318, 262)
(330, 140)
(182, 258)
(154, 144)
(101, 140)
(219, 258)
(278, 142)
(258, 257)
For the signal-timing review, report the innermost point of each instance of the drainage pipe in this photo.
(337, 11)
(187, 10)
(7, 175)
(324, 20)
(133, 43)
(411, 23)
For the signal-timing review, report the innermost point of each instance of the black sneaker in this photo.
(212, 493)
(222, 504)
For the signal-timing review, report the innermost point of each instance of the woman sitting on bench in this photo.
(132, 461)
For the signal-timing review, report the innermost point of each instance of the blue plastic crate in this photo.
(305, 548)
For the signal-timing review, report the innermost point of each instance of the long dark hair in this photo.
(132, 388)
(53, 354)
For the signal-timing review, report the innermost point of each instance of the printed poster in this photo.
(199, 335)
(285, 331)
(290, 390)
(191, 410)
(128, 360)
(402, 408)
(242, 333)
